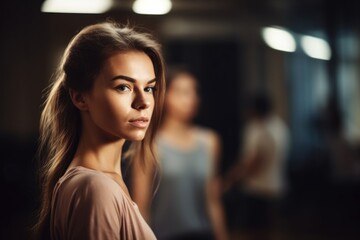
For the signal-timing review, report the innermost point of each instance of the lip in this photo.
(141, 122)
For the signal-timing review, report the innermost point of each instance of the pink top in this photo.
(88, 204)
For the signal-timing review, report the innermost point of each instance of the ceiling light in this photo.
(316, 47)
(279, 39)
(152, 7)
(76, 6)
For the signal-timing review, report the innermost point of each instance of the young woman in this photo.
(109, 89)
(187, 203)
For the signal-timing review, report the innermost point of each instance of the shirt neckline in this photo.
(107, 176)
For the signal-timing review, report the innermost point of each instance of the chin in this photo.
(139, 139)
(136, 137)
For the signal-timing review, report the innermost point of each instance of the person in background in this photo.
(187, 202)
(260, 172)
(109, 89)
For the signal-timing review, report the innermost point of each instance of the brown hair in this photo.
(60, 123)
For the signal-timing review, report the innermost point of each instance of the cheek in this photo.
(172, 103)
(180, 102)
(152, 102)
(191, 102)
(108, 112)
(150, 110)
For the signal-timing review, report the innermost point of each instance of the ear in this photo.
(78, 99)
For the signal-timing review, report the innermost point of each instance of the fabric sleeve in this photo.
(95, 212)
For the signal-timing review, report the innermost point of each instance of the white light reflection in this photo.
(316, 47)
(279, 39)
(152, 7)
(76, 6)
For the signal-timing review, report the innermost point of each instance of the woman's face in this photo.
(182, 99)
(121, 101)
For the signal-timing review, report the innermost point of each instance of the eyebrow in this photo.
(130, 79)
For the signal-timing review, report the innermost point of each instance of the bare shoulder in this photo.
(211, 137)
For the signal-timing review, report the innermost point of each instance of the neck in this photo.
(102, 157)
(176, 125)
(98, 152)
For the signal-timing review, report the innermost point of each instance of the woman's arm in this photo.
(251, 158)
(214, 192)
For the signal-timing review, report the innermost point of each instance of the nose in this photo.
(141, 101)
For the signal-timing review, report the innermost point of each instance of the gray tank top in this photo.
(179, 205)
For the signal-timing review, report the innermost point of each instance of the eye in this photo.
(150, 89)
(123, 88)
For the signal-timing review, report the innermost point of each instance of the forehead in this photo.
(183, 80)
(134, 64)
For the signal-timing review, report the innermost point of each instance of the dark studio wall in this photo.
(222, 45)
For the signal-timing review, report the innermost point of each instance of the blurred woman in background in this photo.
(104, 94)
(187, 202)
